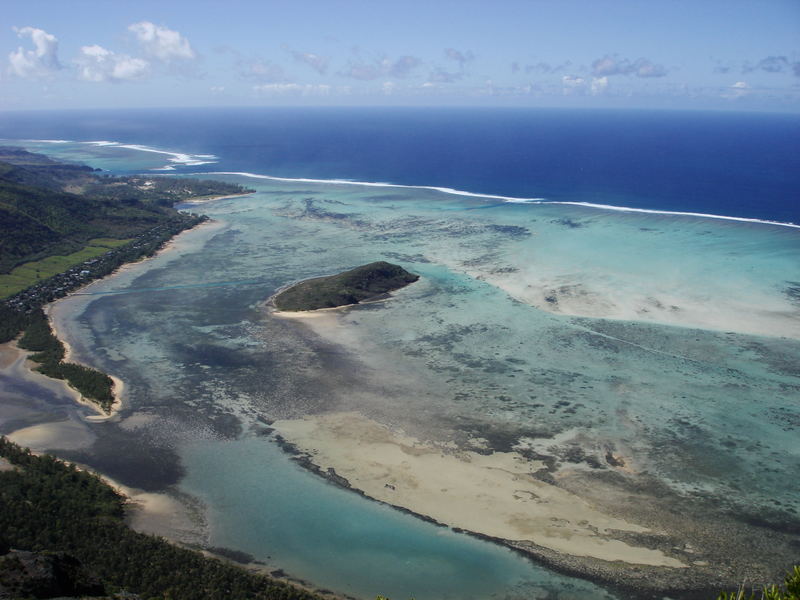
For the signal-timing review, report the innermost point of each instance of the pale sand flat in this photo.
(118, 389)
(489, 494)
(9, 353)
(160, 514)
(215, 198)
(777, 319)
(61, 435)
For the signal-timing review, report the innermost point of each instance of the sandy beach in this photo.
(204, 200)
(493, 495)
(148, 512)
(51, 311)
(119, 386)
(14, 360)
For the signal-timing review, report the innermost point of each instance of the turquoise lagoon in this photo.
(670, 340)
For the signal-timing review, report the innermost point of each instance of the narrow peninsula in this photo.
(64, 225)
(367, 282)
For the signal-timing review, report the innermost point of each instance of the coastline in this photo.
(509, 199)
(540, 552)
(463, 490)
(59, 331)
(206, 199)
(117, 390)
(490, 494)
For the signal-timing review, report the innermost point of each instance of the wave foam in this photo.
(653, 211)
(445, 190)
(194, 160)
(175, 158)
(507, 199)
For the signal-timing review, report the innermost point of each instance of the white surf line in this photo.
(653, 211)
(177, 158)
(445, 190)
(509, 199)
(191, 160)
(48, 141)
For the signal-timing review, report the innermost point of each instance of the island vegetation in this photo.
(48, 506)
(91, 383)
(63, 226)
(367, 282)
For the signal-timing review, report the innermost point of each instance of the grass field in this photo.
(29, 273)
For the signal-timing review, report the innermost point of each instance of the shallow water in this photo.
(347, 543)
(688, 376)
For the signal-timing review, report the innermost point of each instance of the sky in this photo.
(674, 54)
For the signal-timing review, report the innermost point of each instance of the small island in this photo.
(367, 282)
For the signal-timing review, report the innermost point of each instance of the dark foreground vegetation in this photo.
(367, 282)
(789, 591)
(53, 509)
(49, 350)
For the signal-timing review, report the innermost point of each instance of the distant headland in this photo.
(367, 282)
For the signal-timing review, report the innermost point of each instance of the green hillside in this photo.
(49, 208)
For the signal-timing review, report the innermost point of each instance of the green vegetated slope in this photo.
(351, 287)
(36, 222)
(49, 208)
(47, 505)
(30, 272)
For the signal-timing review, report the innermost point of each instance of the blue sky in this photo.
(641, 54)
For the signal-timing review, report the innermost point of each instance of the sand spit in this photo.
(117, 390)
(7, 350)
(206, 199)
(61, 435)
(14, 360)
(493, 495)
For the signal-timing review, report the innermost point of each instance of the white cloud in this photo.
(599, 85)
(573, 85)
(381, 67)
(460, 57)
(98, 64)
(261, 70)
(613, 65)
(39, 62)
(315, 61)
(162, 43)
(292, 89)
(740, 89)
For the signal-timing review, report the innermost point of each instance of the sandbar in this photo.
(205, 199)
(61, 435)
(493, 494)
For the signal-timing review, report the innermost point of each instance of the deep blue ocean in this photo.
(734, 164)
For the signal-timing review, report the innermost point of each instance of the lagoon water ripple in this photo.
(671, 340)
